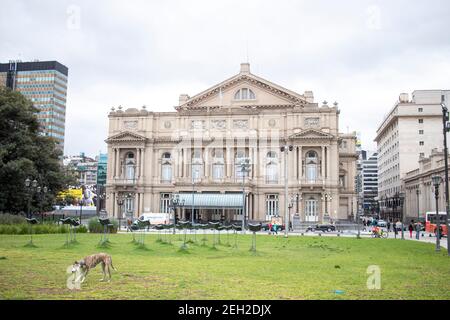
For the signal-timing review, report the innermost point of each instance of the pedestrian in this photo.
(394, 226)
(388, 225)
(410, 228)
(270, 227)
(275, 228)
(418, 229)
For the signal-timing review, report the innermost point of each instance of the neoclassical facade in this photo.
(196, 153)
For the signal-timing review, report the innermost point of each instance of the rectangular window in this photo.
(218, 171)
(421, 143)
(420, 131)
(422, 154)
(271, 206)
(420, 120)
(165, 203)
(420, 109)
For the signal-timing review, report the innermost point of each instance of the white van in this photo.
(157, 217)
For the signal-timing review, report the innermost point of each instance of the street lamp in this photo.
(327, 197)
(418, 207)
(41, 193)
(120, 201)
(446, 128)
(401, 198)
(31, 186)
(436, 182)
(286, 149)
(245, 167)
(175, 203)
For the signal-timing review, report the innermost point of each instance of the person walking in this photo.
(418, 230)
(388, 226)
(411, 228)
(394, 226)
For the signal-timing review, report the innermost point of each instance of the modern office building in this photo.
(85, 168)
(411, 129)
(369, 182)
(44, 83)
(197, 151)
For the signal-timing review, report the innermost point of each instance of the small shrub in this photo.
(10, 219)
(95, 226)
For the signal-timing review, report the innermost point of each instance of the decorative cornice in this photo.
(126, 136)
(311, 134)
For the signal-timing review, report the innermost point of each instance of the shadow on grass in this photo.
(30, 245)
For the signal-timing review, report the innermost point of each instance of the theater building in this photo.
(197, 150)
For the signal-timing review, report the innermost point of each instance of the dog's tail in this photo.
(113, 266)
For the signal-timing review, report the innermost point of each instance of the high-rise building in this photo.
(369, 182)
(44, 83)
(409, 132)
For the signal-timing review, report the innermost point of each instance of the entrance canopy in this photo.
(212, 200)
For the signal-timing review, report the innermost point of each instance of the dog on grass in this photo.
(83, 266)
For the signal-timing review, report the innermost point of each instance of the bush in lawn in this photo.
(45, 228)
(9, 219)
(95, 226)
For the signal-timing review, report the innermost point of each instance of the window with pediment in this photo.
(166, 167)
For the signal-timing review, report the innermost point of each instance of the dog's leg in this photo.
(84, 274)
(104, 272)
(109, 272)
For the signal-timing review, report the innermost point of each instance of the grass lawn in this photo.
(294, 268)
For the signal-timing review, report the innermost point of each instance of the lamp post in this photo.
(327, 197)
(245, 167)
(175, 203)
(286, 149)
(31, 186)
(436, 182)
(446, 128)
(418, 207)
(41, 193)
(401, 198)
(120, 201)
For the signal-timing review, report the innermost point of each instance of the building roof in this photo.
(35, 66)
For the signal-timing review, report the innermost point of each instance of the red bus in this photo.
(430, 222)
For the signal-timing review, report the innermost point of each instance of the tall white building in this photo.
(411, 129)
(369, 183)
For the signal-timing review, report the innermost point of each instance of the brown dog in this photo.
(89, 262)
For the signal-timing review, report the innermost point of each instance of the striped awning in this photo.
(212, 200)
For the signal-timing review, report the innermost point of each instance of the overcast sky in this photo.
(133, 53)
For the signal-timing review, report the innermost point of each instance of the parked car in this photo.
(322, 227)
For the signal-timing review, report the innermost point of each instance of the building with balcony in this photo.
(196, 152)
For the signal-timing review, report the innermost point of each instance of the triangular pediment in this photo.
(126, 136)
(311, 134)
(222, 94)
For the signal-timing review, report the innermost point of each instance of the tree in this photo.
(26, 153)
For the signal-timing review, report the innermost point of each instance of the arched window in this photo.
(166, 168)
(272, 172)
(272, 155)
(244, 94)
(130, 166)
(311, 166)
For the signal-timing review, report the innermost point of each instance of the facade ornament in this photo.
(218, 124)
(240, 124)
(312, 122)
(130, 124)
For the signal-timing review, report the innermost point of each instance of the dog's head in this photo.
(78, 266)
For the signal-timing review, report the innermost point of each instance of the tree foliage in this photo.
(26, 153)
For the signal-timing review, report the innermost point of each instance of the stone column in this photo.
(322, 160)
(117, 162)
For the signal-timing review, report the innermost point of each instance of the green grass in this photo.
(294, 268)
